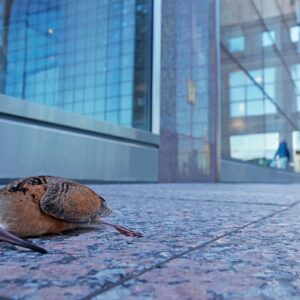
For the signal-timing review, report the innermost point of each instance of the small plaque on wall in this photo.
(191, 92)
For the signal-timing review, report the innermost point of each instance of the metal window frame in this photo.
(156, 66)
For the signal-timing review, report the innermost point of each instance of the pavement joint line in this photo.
(234, 202)
(5, 298)
(222, 201)
(179, 255)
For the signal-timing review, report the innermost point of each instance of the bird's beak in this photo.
(8, 237)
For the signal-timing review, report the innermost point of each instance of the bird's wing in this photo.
(71, 202)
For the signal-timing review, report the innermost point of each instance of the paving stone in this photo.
(262, 193)
(260, 262)
(174, 219)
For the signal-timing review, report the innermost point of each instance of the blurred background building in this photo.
(260, 80)
(149, 90)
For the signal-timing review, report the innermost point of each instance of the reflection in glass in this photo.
(270, 90)
(270, 108)
(295, 73)
(255, 108)
(269, 75)
(88, 57)
(261, 86)
(254, 92)
(250, 147)
(237, 78)
(268, 38)
(237, 94)
(255, 85)
(236, 44)
(256, 75)
(237, 109)
(294, 34)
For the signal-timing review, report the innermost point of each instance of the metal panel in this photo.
(215, 83)
(28, 149)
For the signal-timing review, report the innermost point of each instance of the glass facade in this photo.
(91, 58)
(246, 97)
(260, 76)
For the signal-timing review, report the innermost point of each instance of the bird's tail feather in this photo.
(12, 239)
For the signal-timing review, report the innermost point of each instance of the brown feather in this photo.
(39, 205)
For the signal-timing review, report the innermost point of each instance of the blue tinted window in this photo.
(237, 94)
(294, 34)
(125, 117)
(112, 116)
(237, 78)
(268, 38)
(248, 93)
(99, 105)
(112, 90)
(126, 102)
(255, 108)
(254, 92)
(237, 109)
(237, 44)
(82, 56)
(126, 88)
(113, 103)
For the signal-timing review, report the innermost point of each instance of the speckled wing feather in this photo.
(70, 201)
(24, 184)
(39, 205)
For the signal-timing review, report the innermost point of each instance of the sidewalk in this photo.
(202, 241)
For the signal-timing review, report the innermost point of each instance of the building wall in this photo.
(87, 66)
(36, 139)
(75, 84)
(189, 91)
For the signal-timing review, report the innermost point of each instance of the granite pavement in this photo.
(201, 241)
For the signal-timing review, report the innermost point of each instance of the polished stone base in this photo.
(201, 241)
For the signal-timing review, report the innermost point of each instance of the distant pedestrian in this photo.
(282, 155)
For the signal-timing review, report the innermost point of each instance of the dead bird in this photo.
(40, 205)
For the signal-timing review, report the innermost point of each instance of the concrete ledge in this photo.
(236, 171)
(28, 111)
(36, 139)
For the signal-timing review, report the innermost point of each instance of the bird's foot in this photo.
(128, 232)
(123, 230)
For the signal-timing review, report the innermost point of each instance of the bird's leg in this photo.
(12, 239)
(122, 229)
